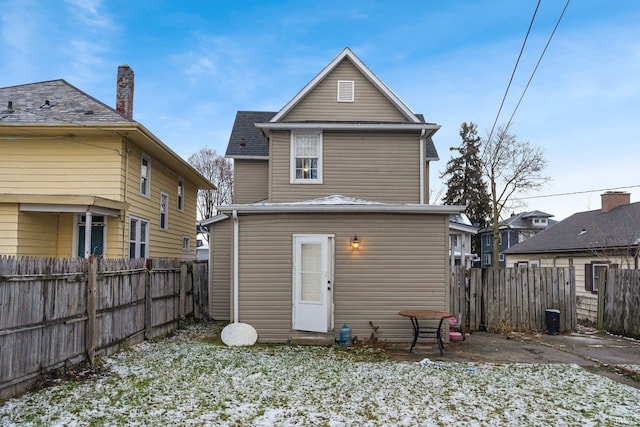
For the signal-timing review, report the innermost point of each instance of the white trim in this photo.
(383, 208)
(347, 53)
(164, 227)
(292, 157)
(137, 239)
(327, 245)
(180, 197)
(147, 194)
(351, 126)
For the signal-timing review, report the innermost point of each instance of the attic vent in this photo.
(346, 90)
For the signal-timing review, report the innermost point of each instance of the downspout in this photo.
(422, 161)
(123, 217)
(235, 265)
(87, 233)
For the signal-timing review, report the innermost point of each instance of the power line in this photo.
(536, 67)
(514, 70)
(577, 192)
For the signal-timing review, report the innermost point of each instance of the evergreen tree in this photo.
(465, 183)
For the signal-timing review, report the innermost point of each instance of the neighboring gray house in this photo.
(513, 230)
(330, 222)
(591, 241)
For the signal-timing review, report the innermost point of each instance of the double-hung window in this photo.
(138, 238)
(306, 157)
(180, 197)
(164, 211)
(145, 176)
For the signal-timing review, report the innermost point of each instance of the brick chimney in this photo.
(124, 91)
(612, 199)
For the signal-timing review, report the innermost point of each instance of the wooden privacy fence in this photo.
(513, 299)
(619, 302)
(56, 312)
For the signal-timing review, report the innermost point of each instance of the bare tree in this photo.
(219, 171)
(511, 166)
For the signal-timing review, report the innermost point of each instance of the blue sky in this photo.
(198, 62)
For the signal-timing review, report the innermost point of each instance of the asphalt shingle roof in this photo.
(246, 139)
(53, 102)
(620, 227)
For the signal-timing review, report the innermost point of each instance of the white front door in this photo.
(312, 282)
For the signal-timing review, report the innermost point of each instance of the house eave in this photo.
(65, 203)
(337, 208)
(349, 126)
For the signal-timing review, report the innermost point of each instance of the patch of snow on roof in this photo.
(335, 199)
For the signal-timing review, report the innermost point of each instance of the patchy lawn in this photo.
(191, 379)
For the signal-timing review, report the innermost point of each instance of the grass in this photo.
(192, 379)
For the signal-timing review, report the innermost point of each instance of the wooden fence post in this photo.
(91, 309)
(183, 289)
(148, 304)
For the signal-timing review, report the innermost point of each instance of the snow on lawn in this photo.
(190, 379)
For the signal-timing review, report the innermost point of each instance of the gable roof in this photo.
(620, 227)
(53, 102)
(56, 107)
(348, 54)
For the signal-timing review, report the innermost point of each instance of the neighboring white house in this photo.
(460, 232)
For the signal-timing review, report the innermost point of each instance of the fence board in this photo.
(515, 299)
(50, 315)
(621, 302)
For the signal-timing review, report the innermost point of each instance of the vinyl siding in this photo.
(381, 166)
(220, 235)
(250, 180)
(402, 265)
(37, 234)
(162, 243)
(321, 103)
(8, 228)
(84, 166)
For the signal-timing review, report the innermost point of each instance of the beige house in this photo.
(591, 242)
(330, 222)
(69, 163)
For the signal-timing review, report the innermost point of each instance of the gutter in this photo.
(342, 208)
(349, 126)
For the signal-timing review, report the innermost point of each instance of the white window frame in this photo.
(186, 243)
(164, 211)
(534, 263)
(145, 176)
(180, 195)
(346, 91)
(594, 277)
(486, 259)
(137, 240)
(294, 139)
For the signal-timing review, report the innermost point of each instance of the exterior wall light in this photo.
(355, 242)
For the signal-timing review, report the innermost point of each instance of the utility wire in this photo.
(514, 70)
(536, 68)
(577, 192)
